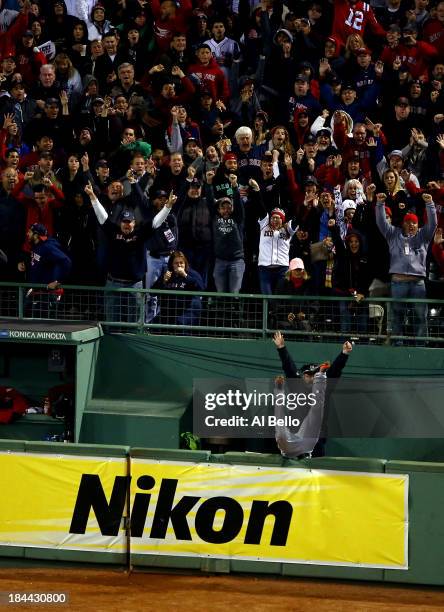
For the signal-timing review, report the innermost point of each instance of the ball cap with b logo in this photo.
(127, 216)
(39, 229)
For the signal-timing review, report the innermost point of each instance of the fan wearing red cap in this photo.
(274, 242)
(408, 246)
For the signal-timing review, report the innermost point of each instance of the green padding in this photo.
(49, 554)
(408, 449)
(248, 459)
(347, 464)
(88, 450)
(256, 567)
(426, 526)
(330, 571)
(218, 566)
(400, 467)
(12, 551)
(187, 563)
(171, 455)
(12, 445)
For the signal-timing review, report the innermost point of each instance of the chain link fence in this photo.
(306, 318)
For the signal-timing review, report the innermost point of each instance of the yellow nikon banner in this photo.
(39, 493)
(272, 514)
(210, 510)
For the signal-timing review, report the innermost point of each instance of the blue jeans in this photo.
(156, 266)
(123, 307)
(228, 275)
(408, 289)
(269, 278)
(352, 311)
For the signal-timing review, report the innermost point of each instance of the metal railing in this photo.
(307, 318)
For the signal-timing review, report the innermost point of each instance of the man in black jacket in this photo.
(126, 256)
(194, 222)
(228, 231)
(310, 444)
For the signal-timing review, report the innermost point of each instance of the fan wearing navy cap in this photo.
(47, 265)
(194, 225)
(301, 99)
(29, 58)
(349, 102)
(126, 256)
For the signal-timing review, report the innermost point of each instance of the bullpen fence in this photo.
(307, 318)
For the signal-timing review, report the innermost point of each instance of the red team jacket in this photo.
(354, 18)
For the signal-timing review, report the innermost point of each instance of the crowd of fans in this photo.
(222, 144)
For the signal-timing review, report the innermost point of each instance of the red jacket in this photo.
(354, 19)
(349, 148)
(12, 34)
(39, 214)
(210, 78)
(417, 57)
(164, 30)
(28, 64)
(433, 33)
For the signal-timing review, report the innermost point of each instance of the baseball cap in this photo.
(325, 131)
(194, 183)
(127, 216)
(349, 204)
(311, 180)
(267, 156)
(296, 264)
(52, 102)
(279, 212)
(411, 217)
(101, 163)
(397, 152)
(98, 100)
(363, 51)
(310, 139)
(224, 200)
(310, 368)
(28, 34)
(17, 83)
(39, 229)
(301, 77)
(229, 155)
(349, 85)
(402, 101)
(46, 155)
(160, 193)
